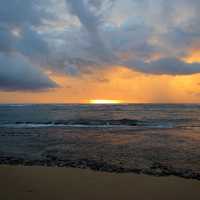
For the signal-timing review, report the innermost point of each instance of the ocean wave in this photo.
(89, 123)
(74, 123)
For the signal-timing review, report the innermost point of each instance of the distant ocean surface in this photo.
(157, 139)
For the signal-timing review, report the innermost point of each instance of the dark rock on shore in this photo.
(157, 169)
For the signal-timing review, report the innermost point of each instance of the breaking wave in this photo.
(89, 123)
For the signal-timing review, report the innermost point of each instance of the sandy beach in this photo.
(31, 183)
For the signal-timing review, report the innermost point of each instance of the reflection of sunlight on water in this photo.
(119, 139)
(174, 148)
(191, 135)
(106, 137)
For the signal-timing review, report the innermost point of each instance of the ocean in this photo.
(156, 139)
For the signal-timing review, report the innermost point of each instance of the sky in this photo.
(73, 51)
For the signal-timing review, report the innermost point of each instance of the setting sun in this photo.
(104, 101)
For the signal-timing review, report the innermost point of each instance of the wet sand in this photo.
(40, 183)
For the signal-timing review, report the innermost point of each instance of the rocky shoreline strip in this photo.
(157, 169)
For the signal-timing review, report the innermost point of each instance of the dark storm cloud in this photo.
(6, 40)
(32, 45)
(132, 43)
(20, 43)
(170, 66)
(77, 36)
(90, 22)
(22, 16)
(17, 73)
(21, 12)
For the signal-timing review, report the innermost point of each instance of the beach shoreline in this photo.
(156, 169)
(36, 182)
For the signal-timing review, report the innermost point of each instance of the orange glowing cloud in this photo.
(194, 56)
(113, 85)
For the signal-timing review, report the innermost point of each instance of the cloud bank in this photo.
(22, 48)
(17, 73)
(78, 36)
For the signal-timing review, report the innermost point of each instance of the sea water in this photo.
(158, 139)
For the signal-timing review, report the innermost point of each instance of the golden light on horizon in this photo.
(104, 101)
(123, 86)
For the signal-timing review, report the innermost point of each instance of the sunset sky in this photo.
(75, 51)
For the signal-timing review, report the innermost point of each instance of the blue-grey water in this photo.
(157, 139)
